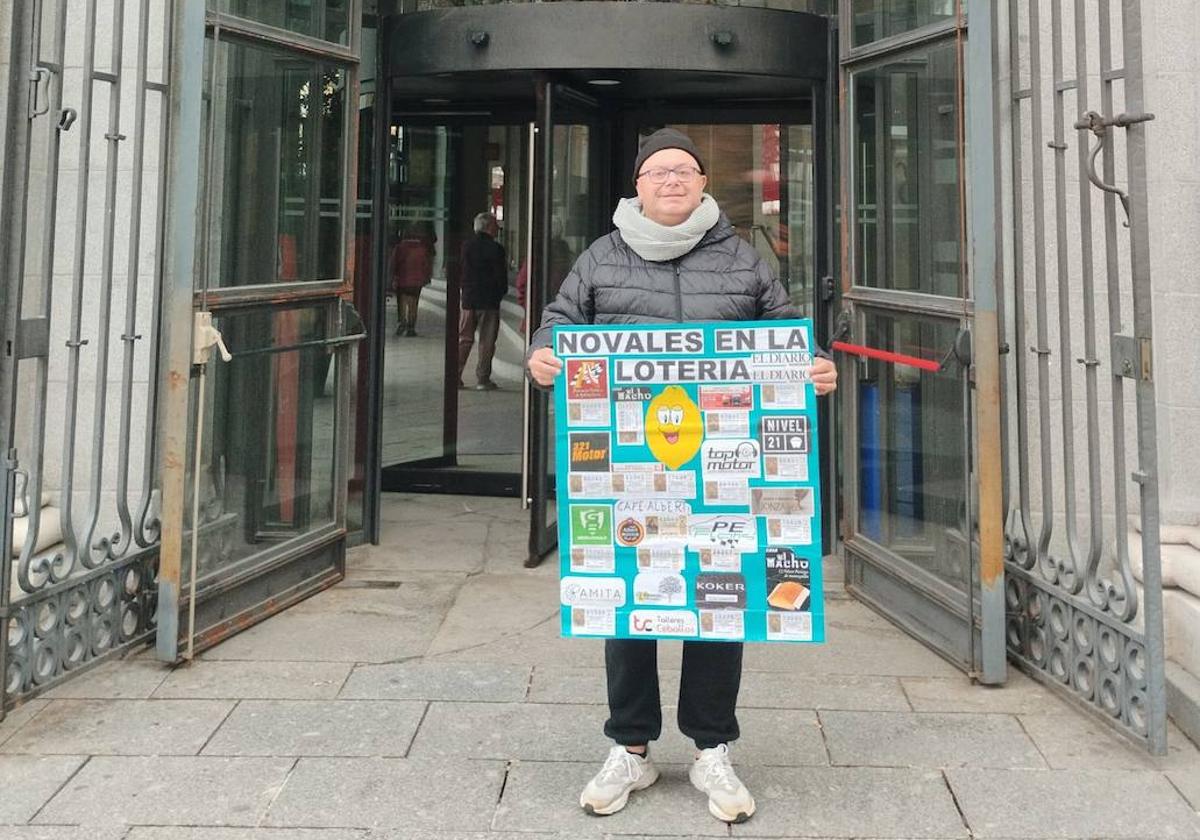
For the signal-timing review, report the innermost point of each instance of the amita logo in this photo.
(662, 623)
(592, 592)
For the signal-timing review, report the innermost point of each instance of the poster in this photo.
(687, 474)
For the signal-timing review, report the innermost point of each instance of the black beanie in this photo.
(665, 138)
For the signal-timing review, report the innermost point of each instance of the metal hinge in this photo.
(1132, 357)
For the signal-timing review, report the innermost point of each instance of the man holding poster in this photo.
(673, 258)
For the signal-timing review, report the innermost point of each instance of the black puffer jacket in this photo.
(721, 279)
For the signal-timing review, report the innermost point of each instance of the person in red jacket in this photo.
(411, 270)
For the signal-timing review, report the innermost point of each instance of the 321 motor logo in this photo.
(590, 451)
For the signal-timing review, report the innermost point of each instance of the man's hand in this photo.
(544, 366)
(823, 373)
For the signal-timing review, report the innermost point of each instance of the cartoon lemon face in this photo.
(674, 427)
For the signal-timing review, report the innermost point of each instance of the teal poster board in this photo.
(687, 470)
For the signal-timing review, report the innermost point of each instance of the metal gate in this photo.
(81, 246)
(1080, 447)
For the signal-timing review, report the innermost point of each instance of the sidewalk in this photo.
(375, 712)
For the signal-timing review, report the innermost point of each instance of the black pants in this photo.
(708, 690)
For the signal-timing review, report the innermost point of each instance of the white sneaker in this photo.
(622, 773)
(728, 799)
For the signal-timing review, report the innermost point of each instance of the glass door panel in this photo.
(912, 543)
(763, 175)
(571, 209)
(453, 386)
(255, 445)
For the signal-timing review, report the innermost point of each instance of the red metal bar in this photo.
(887, 356)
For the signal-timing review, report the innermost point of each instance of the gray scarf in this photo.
(659, 243)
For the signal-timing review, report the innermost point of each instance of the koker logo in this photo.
(590, 451)
(718, 591)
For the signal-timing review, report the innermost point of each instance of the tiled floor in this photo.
(444, 706)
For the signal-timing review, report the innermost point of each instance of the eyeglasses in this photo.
(659, 175)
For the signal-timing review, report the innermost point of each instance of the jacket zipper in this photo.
(678, 294)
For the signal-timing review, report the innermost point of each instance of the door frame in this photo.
(296, 568)
(431, 474)
(929, 609)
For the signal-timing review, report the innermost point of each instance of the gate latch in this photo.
(1099, 125)
(204, 338)
(1132, 358)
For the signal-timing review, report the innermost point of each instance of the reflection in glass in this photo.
(324, 19)
(268, 452)
(818, 7)
(906, 174)
(439, 178)
(763, 177)
(875, 19)
(276, 177)
(911, 437)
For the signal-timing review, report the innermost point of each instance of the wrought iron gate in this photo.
(81, 245)
(1078, 323)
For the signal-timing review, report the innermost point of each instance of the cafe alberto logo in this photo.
(590, 451)
(591, 525)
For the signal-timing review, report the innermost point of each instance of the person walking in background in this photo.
(411, 270)
(673, 257)
(484, 284)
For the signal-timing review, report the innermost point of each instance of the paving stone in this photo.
(438, 681)
(774, 690)
(553, 684)
(545, 796)
(1072, 804)
(63, 832)
(434, 546)
(404, 834)
(18, 717)
(332, 637)
(411, 597)
(27, 782)
(852, 650)
(541, 644)
(1187, 782)
(842, 612)
(1077, 741)
(318, 727)
(529, 731)
(931, 740)
(1018, 696)
(128, 679)
(440, 793)
(491, 607)
(120, 727)
(177, 833)
(169, 790)
(854, 802)
(211, 678)
(773, 737)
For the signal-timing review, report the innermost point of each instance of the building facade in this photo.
(232, 290)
